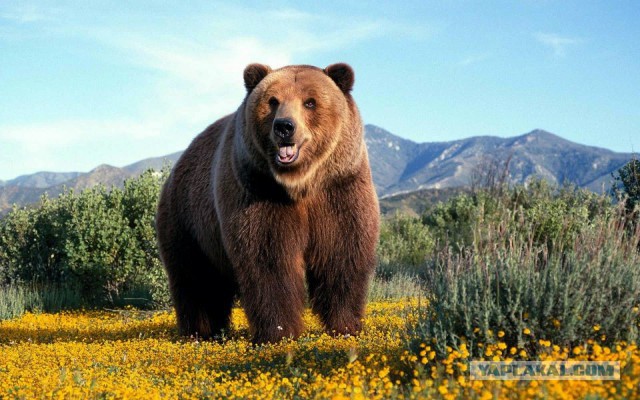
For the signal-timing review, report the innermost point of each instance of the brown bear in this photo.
(277, 194)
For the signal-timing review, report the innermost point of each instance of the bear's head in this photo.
(299, 119)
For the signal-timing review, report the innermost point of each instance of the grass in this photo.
(138, 354)
(15, 299)
(397, 286)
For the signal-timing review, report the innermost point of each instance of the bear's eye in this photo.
(273, 102)
(310, 103)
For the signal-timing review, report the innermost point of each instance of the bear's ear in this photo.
(253, 74)
(342, 74)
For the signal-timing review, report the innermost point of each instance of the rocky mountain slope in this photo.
(401, 165)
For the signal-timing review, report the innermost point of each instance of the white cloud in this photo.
(25, 15)
(197, 62)
(45, 146)
(557, 43)
(473, 59)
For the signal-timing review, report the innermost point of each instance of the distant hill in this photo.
(22, 193)
(156, 163)
(415, 203)
(398, 166)
(41, 180)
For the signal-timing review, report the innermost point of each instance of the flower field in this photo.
(137, 354)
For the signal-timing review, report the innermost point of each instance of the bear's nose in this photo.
(284, 128)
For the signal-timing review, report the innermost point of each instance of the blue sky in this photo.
(90, 82)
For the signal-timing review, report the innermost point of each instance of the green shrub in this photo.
(100, 243)
(453, 222)
(626, 185)
(405, 245)
(558, 293)
(544, 213)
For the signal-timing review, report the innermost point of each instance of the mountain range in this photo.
(398, 165)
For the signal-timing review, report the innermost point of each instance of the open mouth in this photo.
(287, 153)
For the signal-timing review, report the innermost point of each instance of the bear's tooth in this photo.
(282, 152)
(289, 151)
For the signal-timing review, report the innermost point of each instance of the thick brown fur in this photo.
(234, 221)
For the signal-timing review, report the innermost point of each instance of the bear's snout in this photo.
(288, 150)
(284, 128)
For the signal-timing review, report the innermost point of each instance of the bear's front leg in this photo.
(265, 243)
(342, 257)
(338, 290)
